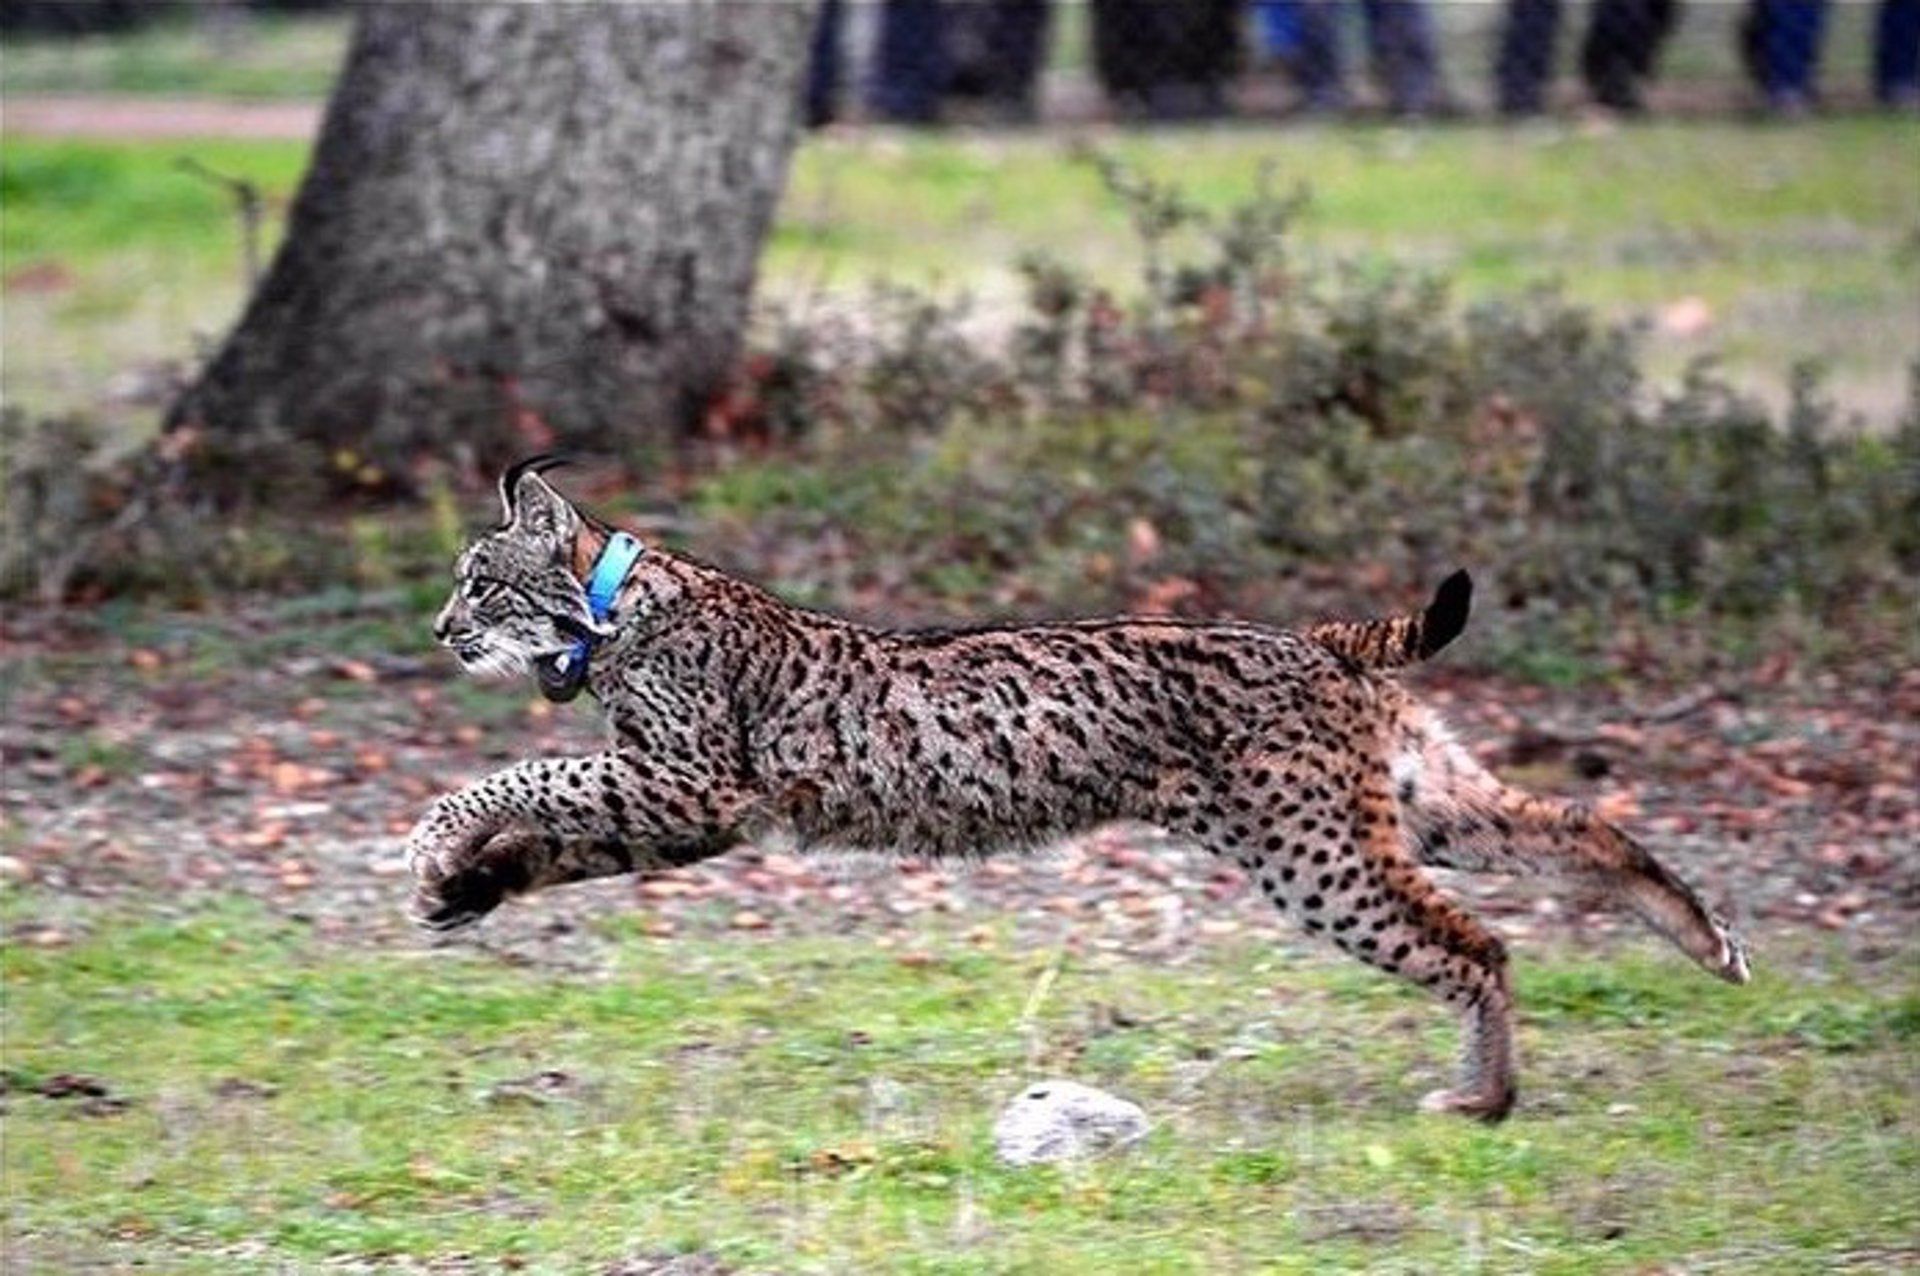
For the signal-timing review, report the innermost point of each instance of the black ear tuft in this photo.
(1446, 615)
(510, 480)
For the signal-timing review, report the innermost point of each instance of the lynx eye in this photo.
(473, 589)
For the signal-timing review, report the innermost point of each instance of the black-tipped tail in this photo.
(1401, 640)
(1446, 615)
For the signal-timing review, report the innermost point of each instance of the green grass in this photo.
(1803, 241)
(259, 56)
(1678, 188)
(115, 258)
(726, 1097)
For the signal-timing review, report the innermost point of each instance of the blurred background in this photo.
(938, 311)
(1761, 244)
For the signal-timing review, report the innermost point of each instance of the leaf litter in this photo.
(151, 779)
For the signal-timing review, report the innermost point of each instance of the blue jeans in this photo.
(1783, 47)
(1523, 67)
(823, 66)
(1277, 24)
(1896, 51)
(911, 63)
(1400, 44)
(1618, 55)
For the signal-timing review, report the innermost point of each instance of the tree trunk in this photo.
(524, 223)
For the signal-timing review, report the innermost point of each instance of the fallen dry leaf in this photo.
(1686, 317)
(1618, 806)
(1164, 596)
(844, 1157)
(290, 778)
(71, 1085)
(1143, 542)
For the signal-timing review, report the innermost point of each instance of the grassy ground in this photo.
(820, 1105)
(1800, 242)
(234, 55)
(116, 259)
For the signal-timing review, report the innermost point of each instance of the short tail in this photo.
(1401, 640)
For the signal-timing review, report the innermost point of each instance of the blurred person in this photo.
(1618, 56)
(910, 63)
(1523, 66)
(822, 102)
(1781, 43)
(995, 49)
(1896, 55)
(1277, 24)
(1622, 50)
(1400, 45)
(1166, 61)
(76, 17)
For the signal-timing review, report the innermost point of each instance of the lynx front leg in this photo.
(520, 861)
(555, 820)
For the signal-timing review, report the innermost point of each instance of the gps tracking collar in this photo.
(561, 677)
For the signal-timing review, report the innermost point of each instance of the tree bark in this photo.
(524, 222)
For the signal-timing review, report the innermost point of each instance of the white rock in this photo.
(1062, 1120)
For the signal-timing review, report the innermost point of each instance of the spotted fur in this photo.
(1294, 755)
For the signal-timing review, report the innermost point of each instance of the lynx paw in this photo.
(1733, 966)
(458, 899)
(1488, 1106)
(455, 884)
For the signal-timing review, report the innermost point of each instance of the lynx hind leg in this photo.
(1335, 864)
(1458, 815)
(1435, 943)
(1439, 945)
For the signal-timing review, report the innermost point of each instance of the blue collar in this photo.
(610, 570)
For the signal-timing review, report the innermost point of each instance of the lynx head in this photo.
(517, 605)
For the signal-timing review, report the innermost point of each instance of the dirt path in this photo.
(142, 118)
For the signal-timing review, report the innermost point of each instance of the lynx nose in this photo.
(443, 623)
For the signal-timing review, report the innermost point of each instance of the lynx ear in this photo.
(533, 507)
(510, 482)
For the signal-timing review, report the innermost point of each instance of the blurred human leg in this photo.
(823, 66)
(1319, 72)
(1896, 54)
(1401, 43)
(1784, 46)
(910, 69)
(1523, 66)
(1622, 47)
